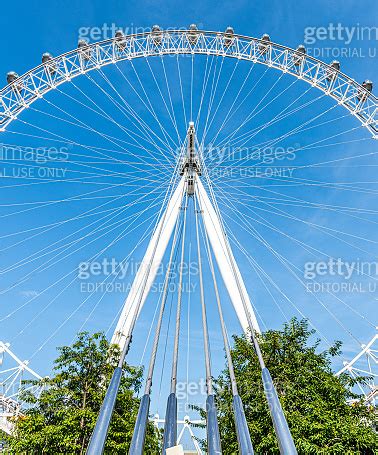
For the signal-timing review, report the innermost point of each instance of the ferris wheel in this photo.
(214, 181)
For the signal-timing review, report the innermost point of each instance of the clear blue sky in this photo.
(30, 28)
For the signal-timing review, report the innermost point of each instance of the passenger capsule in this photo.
(331, 73)
(47, 60)
(156, 35)
(336, 65)
(120, 40)
(264, 43)
(368, 85)
(228, 36)
(11, 77)
(362, 94)
(299, 55)
(85, 50)
(193, 34)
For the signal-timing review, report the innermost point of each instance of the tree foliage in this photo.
(315, 402)
(62, 418)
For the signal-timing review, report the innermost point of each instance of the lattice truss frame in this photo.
(365, 363)
(11, 385)
(23, 91)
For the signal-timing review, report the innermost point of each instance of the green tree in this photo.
(62, 418)
(313, 399)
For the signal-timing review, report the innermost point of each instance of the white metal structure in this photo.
(147, 271)
(22, 92)
(11, 378)
(184, 425)
(226, 262)
(155, 251)
(365, 364)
